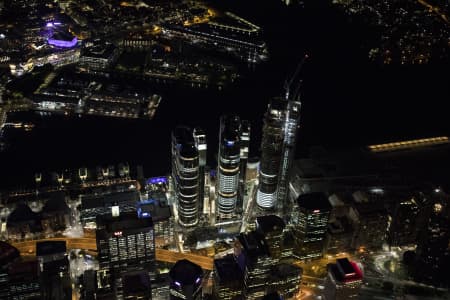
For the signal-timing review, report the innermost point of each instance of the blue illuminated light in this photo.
(230, 143)
(198, 280)
(177, 283)
(157, 180)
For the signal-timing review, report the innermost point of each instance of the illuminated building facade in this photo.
(285, 280)
(126, 250)
(310, 223)
(227, 279)
(271, 229)
(343, 281)
(229, 165)
(18, 279)
(98, 56)
(255, 262)
(245, 145)
(185, 173)
(21, 280)
(433, 247)
(370, 222)
(185, 281)
(291, 124)
(404, 221)
(271, 153)
(200, 143)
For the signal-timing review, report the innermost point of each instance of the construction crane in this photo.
(287, 84)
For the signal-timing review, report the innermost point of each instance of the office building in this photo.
(185, 281)
(200, 143)
(404, 221)
(254, 260)
(340, 236)
(370, 221)
(343, 281)
(98, 56)
(310, 223)
(270, 228)
(159, 211)
(433, 250)
(227, 279)
(185, 174)
(228, 166)
(93, 205)
(54, 267)
(126, 255)
(21, 280)
(271, 153)
(285, 280)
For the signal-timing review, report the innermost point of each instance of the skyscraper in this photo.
(185, 173)
(245, 144)
(271, 153)
(281, 122)
(126, 254)
(270, 228)
(254, 260)
(343, 281)
(55, 275)
(433, 250)
(291, 124)
(227, 279)
(185, 281)
(200, 144)
(229, 165)
(310, 223)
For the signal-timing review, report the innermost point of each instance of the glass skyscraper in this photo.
(185, 173)
(229, 165)
(271, 153)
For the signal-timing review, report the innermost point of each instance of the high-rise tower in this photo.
(278, 146)
(271, 153)
(245, 145)
(185, 173)
(229, 165)
(291, 123)
(200, 144)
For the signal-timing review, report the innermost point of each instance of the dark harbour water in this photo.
(346, 102)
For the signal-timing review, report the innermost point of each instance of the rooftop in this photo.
(314, 201)
(270, 223)
(125, 221)
(227, 269)
(186, 272)
(345, 271)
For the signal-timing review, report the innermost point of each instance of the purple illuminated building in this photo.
(63, 40)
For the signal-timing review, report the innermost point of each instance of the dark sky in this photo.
(346, 100)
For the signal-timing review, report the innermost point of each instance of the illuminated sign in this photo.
(118, 233)
(316, 211)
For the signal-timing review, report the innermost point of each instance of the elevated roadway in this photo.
(90, 246)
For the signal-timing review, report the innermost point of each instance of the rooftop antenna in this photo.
(287, 84)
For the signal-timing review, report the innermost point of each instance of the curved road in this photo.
(90, 245)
